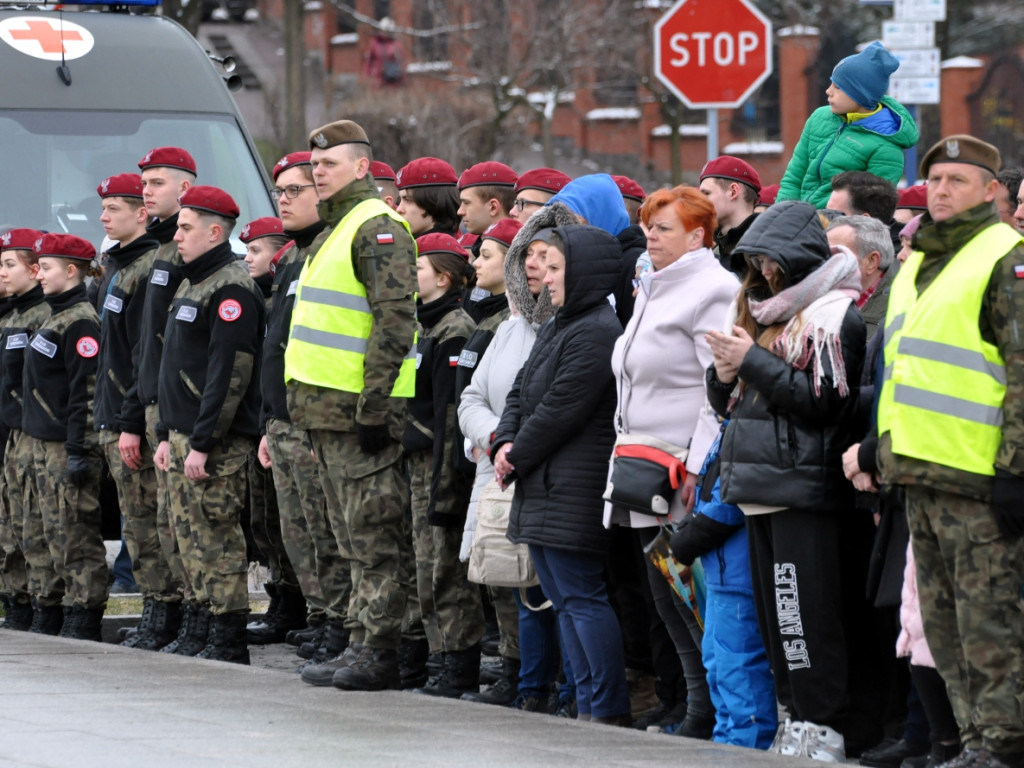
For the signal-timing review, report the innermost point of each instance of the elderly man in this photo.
(870, 242)
(951, 430)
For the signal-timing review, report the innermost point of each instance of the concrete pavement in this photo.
(74, 703)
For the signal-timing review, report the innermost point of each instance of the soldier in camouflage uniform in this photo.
(124, 219)
(355, 427)
(27, 568)
(166, 173)
(209, 412)
(963, 493)
(308, 537)
(59, 383)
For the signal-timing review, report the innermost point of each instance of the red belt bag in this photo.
(646, 474)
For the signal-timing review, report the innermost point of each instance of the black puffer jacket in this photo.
(559, 413)
(784, 443)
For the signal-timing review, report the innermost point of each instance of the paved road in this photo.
(70, 703)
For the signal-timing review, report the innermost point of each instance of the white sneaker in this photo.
(823, 744)
(789, 739)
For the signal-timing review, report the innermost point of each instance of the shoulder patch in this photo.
(229, 310)
(87, 346)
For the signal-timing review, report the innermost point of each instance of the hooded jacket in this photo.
(559, 412)
(830, 144)
(784, 443)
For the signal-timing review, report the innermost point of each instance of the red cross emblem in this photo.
(46, 38)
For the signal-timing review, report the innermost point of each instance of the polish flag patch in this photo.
(87, 346)
(229, 310)
(385, 238)
(453, 361)
(1018, 271)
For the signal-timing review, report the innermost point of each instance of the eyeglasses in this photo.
(521, 203)
(292, 191)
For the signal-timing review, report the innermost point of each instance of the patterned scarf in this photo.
(813, 311)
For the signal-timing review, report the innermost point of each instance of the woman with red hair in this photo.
(659, 363)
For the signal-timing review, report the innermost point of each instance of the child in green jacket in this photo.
(861, 129)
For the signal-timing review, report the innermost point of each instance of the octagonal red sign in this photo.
(713, 53)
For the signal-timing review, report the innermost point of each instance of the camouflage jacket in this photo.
(164, 279)
(121, 320)
(60, 373)
(388, 271)
(209, 387)
(1001, 323)
(279, 319)
(28, 312)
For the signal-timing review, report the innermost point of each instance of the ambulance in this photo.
(86, 93)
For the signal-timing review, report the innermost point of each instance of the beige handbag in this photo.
(493, 559)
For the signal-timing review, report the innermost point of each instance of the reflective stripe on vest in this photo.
(332, 319)
(943, 384)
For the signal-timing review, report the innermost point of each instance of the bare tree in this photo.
(188, 13)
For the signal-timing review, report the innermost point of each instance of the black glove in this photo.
(373, 438)
(1008, 503)
(697, 535)
(78, 470)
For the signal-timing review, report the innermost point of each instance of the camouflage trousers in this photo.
(206, 515)
(969, 580)
(308, 537)
(366, 499)
(137, 495)
(265, 522)
(507, 613)
(71, 524)
(165, 530)
(16, 482)
(450, 606)
(45, 580)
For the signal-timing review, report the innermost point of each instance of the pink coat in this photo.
(911, 641)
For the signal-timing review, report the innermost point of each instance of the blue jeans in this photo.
(123, 569)
(590, 630)
(538, 645)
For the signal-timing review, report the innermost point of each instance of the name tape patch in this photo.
(114, 304)
(48, 348)
(17, 341)
(186, 313)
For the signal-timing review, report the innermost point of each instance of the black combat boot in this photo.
(503, 692)
(19, 615)
(69, 624)
(289, 614)
(328, 655)
(373, 669)
(297, 637)
(165, 621)
(131, 636)
(226, 641)
(87, 623)
(412, 663)
(315, 649)
(46, 619)
(195, 626)
(460, 674)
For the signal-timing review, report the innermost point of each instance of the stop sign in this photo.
(713, 53)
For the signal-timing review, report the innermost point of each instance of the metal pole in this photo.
(910, 153)
(712, 134)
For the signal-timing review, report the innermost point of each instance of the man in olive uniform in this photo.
(124, 218)
(349, 369)
(166, 172)
(951, 427)
(209, 412)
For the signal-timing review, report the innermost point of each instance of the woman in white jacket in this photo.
(659, 363)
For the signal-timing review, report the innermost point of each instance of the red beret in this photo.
(381, 171)
(489, 174)
(19, 239)
(122, 185)
(630, 188)
(914, 197)
(439, 242)
(290, 161)
(264, 227)
(503, 231)
(64, 247)
(168, 157)
(211, 200)
(425, 172)
(544, 179)
(468, 239)
(732, 169)
(768, 194)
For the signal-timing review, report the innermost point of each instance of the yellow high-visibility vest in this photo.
(332, 320)
(943, 387)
